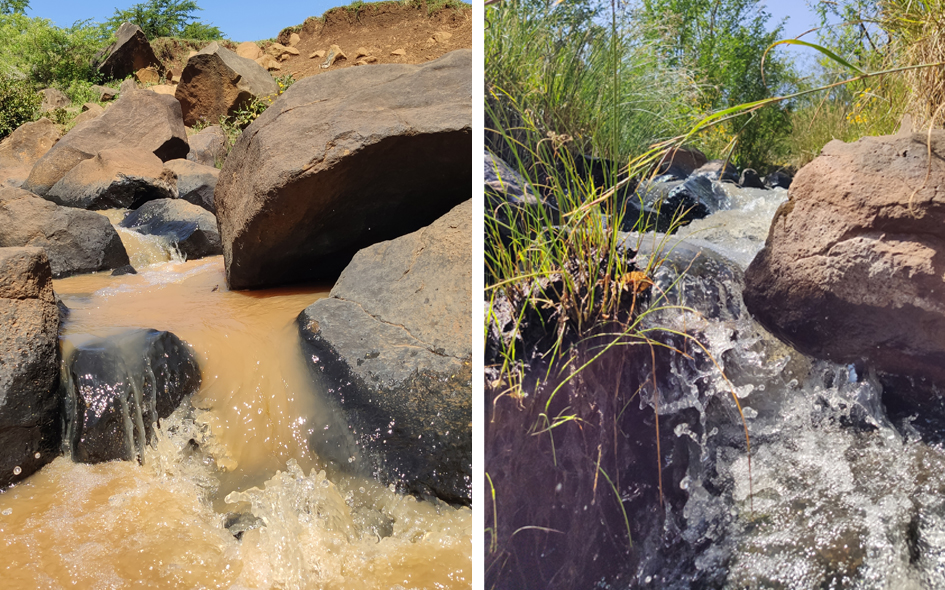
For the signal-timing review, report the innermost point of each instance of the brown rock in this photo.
(315, 180)
(137, 119)
(130, 53)
(280, 52)
(169, 89)
(398, 52)
(334, 54)
(294, 39)
(76, 241)
(122, 178)
(208, 147)
(53, 99)
(105, 93)
(249, 50)
(854, 266)
(127, 86)
(361, 52)
(90, 111)
(195, 183)
(216, 82)
(30, 407)
(267, 62)
(148, 75)
(442, 36)
(317, 54)
(24, 147)
(365, 61)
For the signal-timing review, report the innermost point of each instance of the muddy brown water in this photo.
(161, 524)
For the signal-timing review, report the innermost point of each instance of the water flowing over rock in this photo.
(76, 241)
(116, 388)
(853, 267)
(27, 144)
(120, 178)
(217, 82)
(138, 119)
(392, 345)
(341, 161)
(667, 205)
(128, 54)
(192, 229)
(30, 410)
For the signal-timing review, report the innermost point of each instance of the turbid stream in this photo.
(843, 495)
(238, 453)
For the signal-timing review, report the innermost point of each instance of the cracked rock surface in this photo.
(392, 347)
(853, 269)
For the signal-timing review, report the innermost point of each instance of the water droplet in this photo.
(351, 459)
(37, 455)
(17, 470)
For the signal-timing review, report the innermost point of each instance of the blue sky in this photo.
(238, 19)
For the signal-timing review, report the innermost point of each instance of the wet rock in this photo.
(217, 82)
(30, 409)
(75, 241)
(779, 178)
(128, 54)
(208, 147)
(22, 148)
(191, 228)
(853, 267)
(139, 119)
(681, 162)
(313, 180)
(118, 387)
(750, 179)
(114, 179)
(667, 205)
(195, 182)
(392, 346)
(718, 170)
(53, 99)
(124, 270)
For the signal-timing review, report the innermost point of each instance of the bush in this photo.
(43, 53)
(166, 18)
(19, 104)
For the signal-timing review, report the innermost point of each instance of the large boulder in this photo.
(341, 161)
(22, 148)
(217, 82)
(192, 229)
(208, 146)
(53, 99)
(138, 119)
(118, 387)
(128, 54)
(854, 266)
(75, 241)
(392, 347)
(30, 410)
(122, 178)
(195, 182)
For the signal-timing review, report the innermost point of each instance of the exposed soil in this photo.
(377, 30)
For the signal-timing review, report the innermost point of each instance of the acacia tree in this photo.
(14, 6)
(722, 43)
(166, 18)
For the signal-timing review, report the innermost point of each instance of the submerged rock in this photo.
(392, 347)
(116, 388)
(30, 409)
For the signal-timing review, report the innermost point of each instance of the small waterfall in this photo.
(143, 249)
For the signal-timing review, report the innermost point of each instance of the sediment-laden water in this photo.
(229, 495)
(838, 494)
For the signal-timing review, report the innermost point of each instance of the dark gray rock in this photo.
(195, 182)
(750, 179)
(668, 205)
(718, 170)
(118, 387)
(123, 178)
(129, 53)
(208, 147)
(392, 347)
(137, 120)
(75, 241)
(30, 408)
(681, 162)
(191, 228)
(315, 178)
(779, 179)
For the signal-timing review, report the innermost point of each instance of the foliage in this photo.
(722, 43)
(166, 18)
(44, 53)
(19, 104)
(234, 125)
(14, 6)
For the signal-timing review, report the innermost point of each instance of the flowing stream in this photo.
(229, 494)
(838, 495)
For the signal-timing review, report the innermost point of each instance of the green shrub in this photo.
(166, 18)
(19, 104)
(44, 53)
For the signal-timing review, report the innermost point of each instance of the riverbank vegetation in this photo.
(573, 462)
